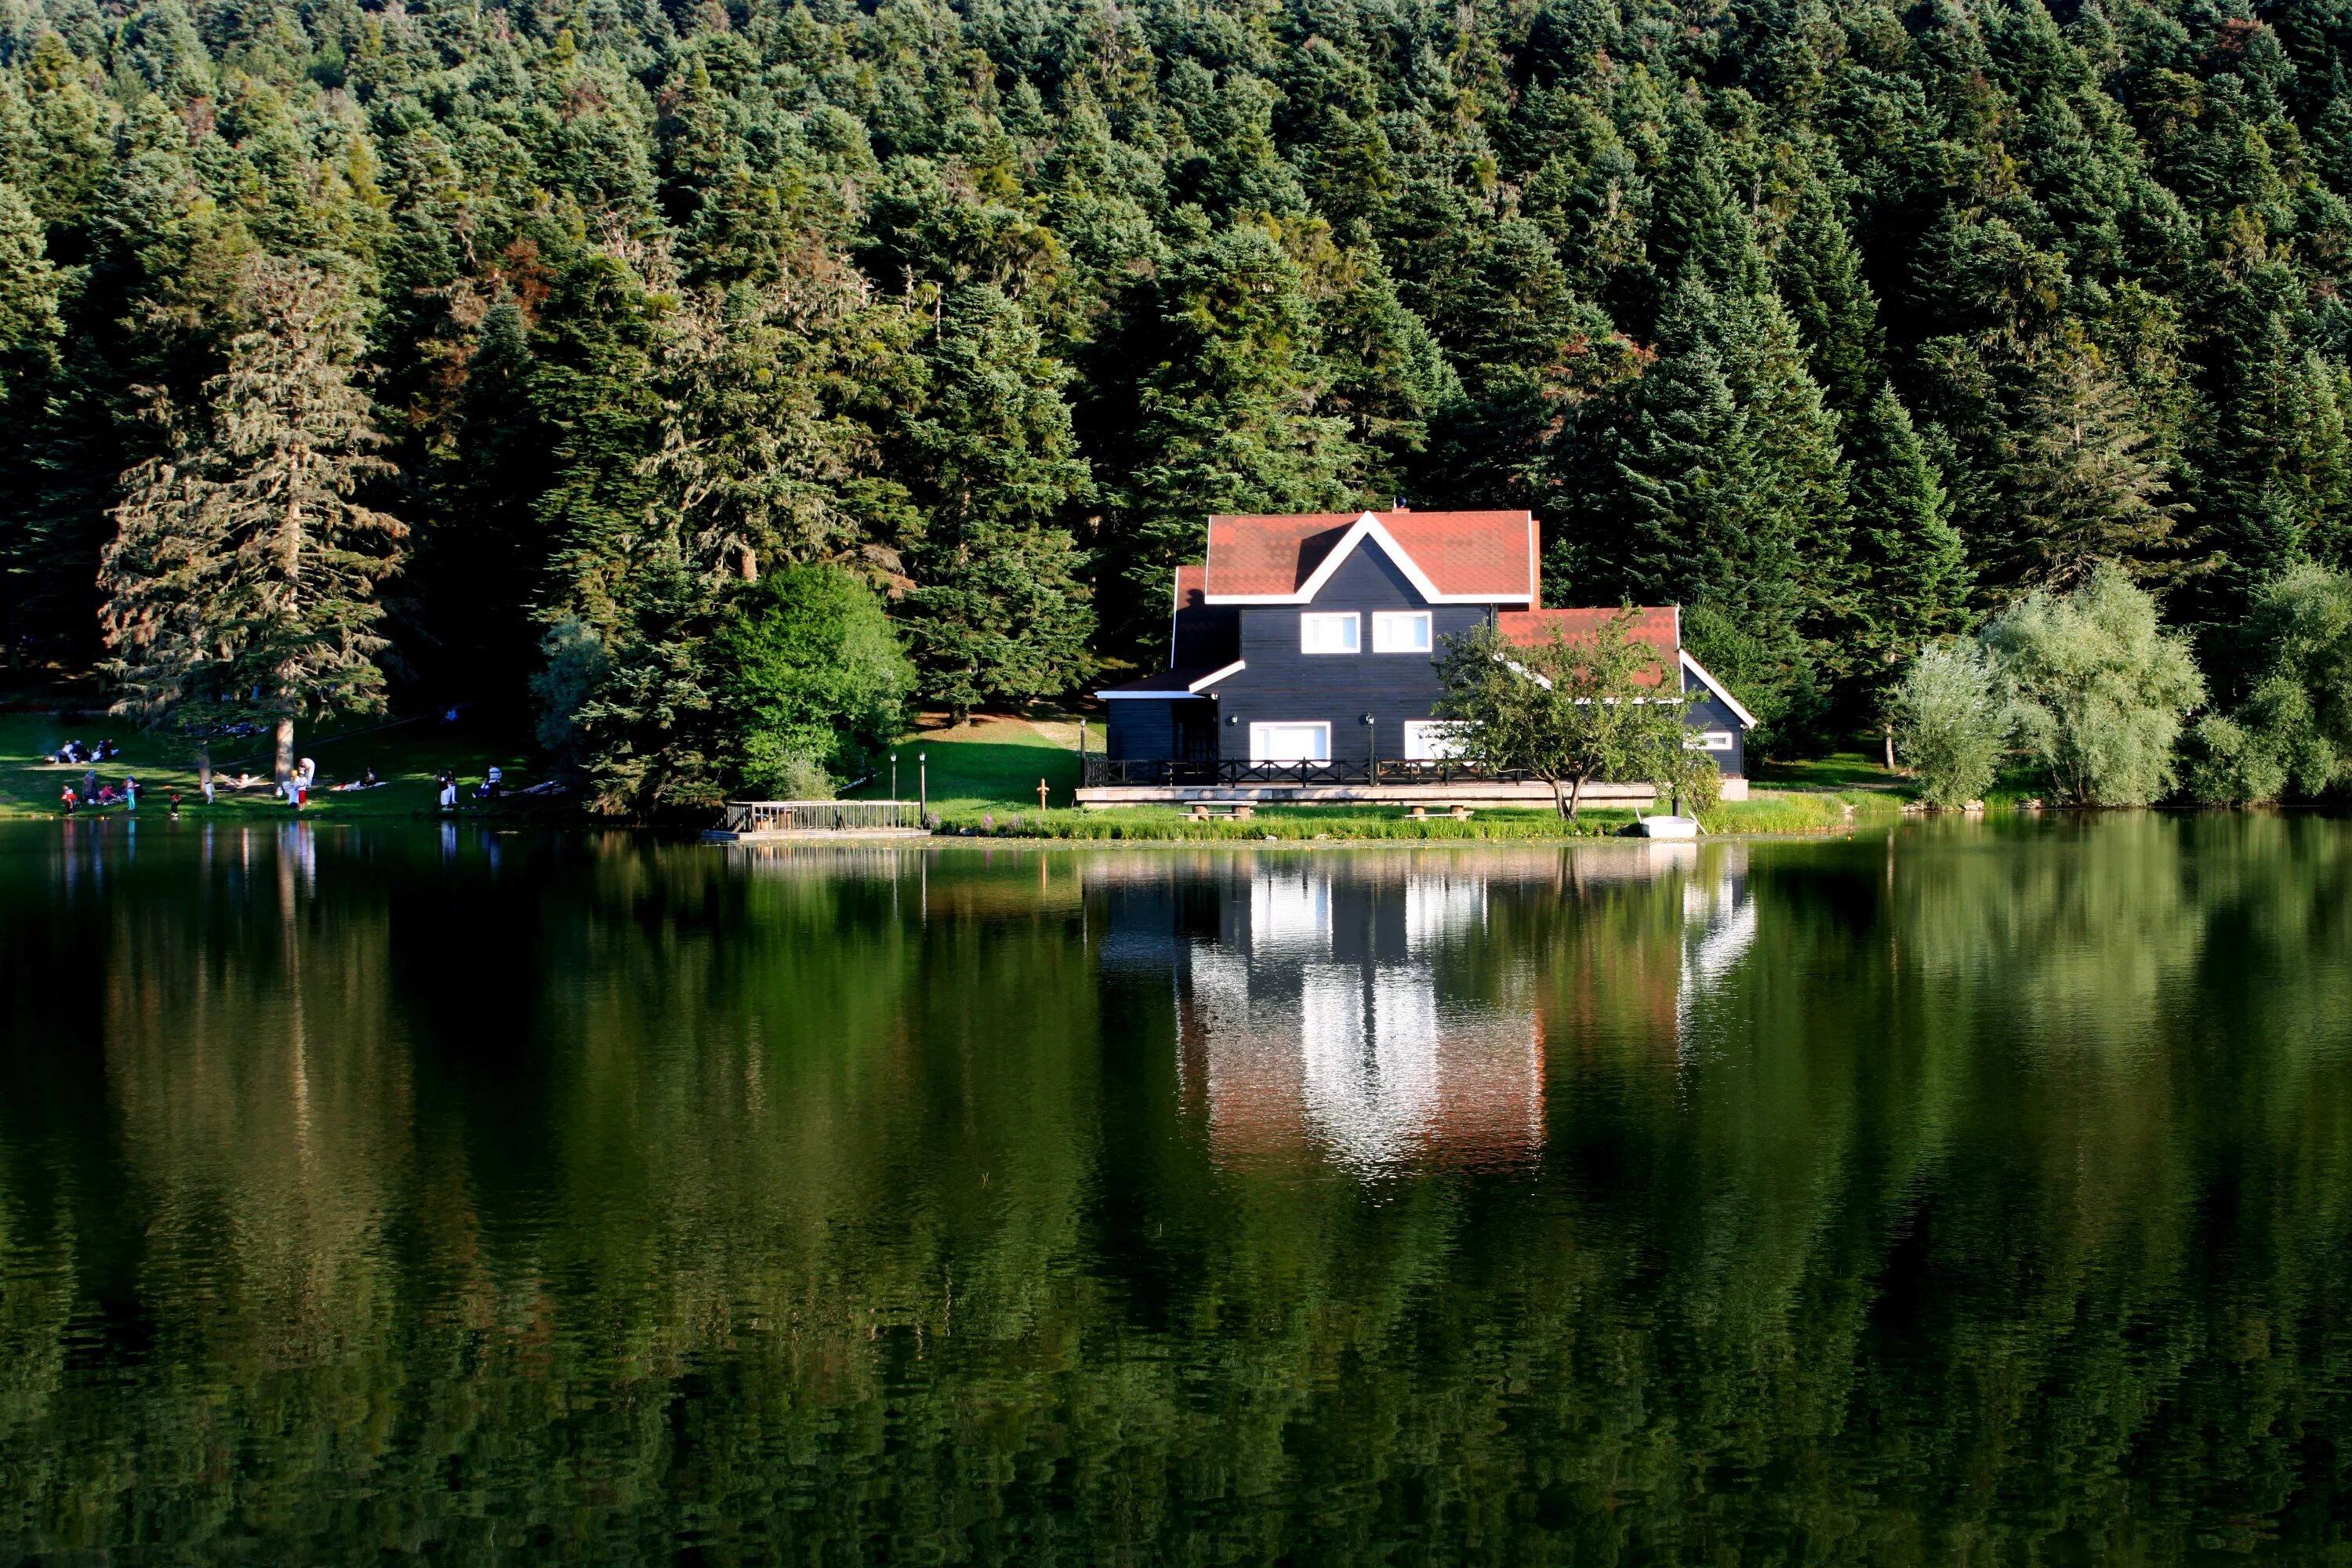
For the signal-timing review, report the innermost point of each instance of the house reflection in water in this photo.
(1354, 1009)
(1319, 1014)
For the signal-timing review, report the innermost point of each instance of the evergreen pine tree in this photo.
(1001, 615)
(1229, 419)
(2084, 487)
(1820, 276)
(241, 583)
(1913, 570)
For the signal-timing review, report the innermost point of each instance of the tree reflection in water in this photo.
(1965, 1191)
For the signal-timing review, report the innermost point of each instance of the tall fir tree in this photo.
(242, 580)
(1229, 419)
(1000, 614)
(1914, 577)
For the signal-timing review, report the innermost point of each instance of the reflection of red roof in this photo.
(1659, 626)
(1473, 555)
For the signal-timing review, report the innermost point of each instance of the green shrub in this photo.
(1951, 727)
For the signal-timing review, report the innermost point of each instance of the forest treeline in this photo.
(530, 352)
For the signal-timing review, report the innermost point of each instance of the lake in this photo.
(1970, 1192)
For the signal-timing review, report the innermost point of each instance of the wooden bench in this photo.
(1240, 811)
(1459, 812)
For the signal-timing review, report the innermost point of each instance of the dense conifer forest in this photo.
(527, 354)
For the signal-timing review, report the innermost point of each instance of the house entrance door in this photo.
(1196, 731)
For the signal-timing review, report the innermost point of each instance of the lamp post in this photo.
(1371, 750)
(894, 775)
(923, 785)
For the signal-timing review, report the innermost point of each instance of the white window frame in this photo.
(1259, 733)
(1709, 741)
(1426, 741)
(1331, 618)
(1387, 623)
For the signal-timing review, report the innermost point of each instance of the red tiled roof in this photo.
(1192, 582)
(1659, 626)
(1469, 554)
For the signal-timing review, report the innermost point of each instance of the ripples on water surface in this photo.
(1971, 1193)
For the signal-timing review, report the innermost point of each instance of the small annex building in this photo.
(1302, 657)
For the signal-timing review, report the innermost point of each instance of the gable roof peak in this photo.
(1451, 557)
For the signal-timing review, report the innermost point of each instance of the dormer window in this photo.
(1327, 631)
(1399, 631)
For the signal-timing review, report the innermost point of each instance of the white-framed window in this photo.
(1430, 740)
(1400, 631)
(1292, 742)
(1330, 631)
(1708, 741)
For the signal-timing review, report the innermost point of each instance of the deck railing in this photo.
(1101, 772)
(819, 816)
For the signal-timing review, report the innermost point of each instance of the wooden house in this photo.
(1302, 662)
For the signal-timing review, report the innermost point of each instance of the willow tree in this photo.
(241, 581)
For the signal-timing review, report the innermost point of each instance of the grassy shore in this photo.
(983, 778)
(406, 756)
(979, 778)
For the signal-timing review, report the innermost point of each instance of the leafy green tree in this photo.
(2100, 690)
(813, 673)
(1950, 726)
(1568, 711)
(241, 583)
(2293, 732)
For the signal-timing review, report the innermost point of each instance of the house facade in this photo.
(1302, 660)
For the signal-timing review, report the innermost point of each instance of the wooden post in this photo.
(1041, 795)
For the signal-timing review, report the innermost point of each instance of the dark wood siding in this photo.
(1284, 685)
(1709, 712)
(1139, 729)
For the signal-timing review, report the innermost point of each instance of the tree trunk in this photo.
(1889, 730)
(1576, 797)
(285, 749)
(203, 764)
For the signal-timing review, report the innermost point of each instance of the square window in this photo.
(1329, 632)
(1399, 631)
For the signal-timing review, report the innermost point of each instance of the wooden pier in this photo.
(766, 821)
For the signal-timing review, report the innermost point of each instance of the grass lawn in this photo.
(990, 764)
(1838, 771)
(406, 756)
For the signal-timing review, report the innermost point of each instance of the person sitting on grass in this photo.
(66, 798)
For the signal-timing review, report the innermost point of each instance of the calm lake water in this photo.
(1972, 1193)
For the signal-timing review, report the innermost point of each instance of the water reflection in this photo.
(1957, 1193)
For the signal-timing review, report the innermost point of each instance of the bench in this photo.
(1240, 811)
(1459, 812)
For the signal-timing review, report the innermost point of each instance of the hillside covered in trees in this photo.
(567, 330)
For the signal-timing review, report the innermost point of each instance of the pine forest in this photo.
(592, 361)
